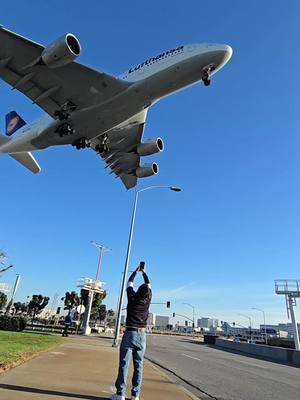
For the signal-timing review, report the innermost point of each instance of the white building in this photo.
(206, 322)
(151, 319)
(161, 321)
(289, 328)
(280, 328)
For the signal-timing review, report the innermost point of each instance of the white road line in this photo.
(234, 360)
(194, 358)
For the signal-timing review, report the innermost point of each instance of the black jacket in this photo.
(137, 308)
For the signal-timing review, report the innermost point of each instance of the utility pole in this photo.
(13, 294)
(102, 249)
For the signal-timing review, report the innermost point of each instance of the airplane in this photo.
(87, 108)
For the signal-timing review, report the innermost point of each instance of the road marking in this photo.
(194, 358)
(234, 360)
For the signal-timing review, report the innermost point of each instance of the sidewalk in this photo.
(82, 368)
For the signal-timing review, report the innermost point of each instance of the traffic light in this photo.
(58, 310)
(233, 323)
(185, 323)
(173, 315)
(168, 304)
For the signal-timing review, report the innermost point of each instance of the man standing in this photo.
(68, 322)
(134, 339)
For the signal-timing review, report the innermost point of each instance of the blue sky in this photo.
(233, 147)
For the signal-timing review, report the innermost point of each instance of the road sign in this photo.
(80, 309)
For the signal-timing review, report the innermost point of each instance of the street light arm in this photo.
(184, 316)
(158, 187)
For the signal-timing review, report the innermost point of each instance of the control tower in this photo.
(290, 288)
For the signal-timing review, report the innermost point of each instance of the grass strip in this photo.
(18, 347)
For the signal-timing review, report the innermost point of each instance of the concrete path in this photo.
(82, 368)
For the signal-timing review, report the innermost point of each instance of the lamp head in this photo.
(175, 188)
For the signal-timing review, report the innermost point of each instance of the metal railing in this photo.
(288, 287)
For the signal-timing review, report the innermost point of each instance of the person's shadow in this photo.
(51, 392)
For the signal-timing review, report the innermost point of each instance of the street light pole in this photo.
(188, 304)
(122, 292)
(250, 322)
(264, 315)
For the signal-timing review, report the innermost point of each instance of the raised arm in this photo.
(132, 277)
(146, 279)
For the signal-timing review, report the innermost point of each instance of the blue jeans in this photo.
(133, 345)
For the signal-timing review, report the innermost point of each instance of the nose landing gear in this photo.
(206, 74)
(205, 79)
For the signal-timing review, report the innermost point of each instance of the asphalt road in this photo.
(223, 375)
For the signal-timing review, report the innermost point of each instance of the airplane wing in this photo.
(51, 88)
(118, 148)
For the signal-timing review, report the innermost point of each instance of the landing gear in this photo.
(103, 145)
(206, 74)
(81, 143)
(65, 130)
(205, 79)
(65, 112)
(100, 148)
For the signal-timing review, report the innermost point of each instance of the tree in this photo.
(111, 313)
(71, 300)
(102, 312)
(97, 301)
(3, 300)
(20, 307)
(37, 304)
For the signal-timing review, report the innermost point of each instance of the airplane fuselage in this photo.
(151, 80)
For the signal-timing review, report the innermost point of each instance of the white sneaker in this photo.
(117, 397)
(135, 398)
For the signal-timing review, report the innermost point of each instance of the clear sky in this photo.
(233, 147)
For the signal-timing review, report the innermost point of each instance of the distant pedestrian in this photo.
(133, 344)
(68, 322)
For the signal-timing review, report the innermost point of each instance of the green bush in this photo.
(8, 323)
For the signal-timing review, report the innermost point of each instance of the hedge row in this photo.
(8, 323)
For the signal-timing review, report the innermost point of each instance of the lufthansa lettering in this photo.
(154, 59)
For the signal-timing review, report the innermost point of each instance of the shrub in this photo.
(8, 323)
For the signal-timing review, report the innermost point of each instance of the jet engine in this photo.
(147, 170)
(61, 52)
(150, 147)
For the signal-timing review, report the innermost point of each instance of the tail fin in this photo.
(27, 160)
(13, 123)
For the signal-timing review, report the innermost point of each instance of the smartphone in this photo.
(142, 265)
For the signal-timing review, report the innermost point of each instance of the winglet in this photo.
(13, 122)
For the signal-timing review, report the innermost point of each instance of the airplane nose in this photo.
(221, 54)
(227, 50)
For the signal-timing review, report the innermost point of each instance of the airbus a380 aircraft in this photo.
(89, 108)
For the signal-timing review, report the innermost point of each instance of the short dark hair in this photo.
(143, 292)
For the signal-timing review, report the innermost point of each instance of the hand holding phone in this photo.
(142, 266)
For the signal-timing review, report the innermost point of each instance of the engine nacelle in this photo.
(147, 170)
(61, 52)
(150, 147)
